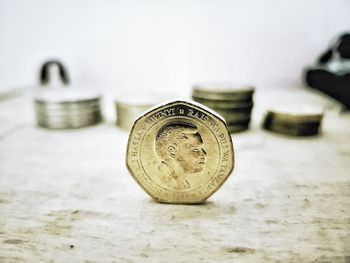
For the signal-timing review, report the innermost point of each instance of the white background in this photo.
(167, 45)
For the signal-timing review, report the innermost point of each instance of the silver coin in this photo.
(63, 96)
(128, 109)
(126, 117)
(67, 106)
(72, 125)
(58, 113)
(67, 112)
(73, 121)
(71, 117)
(68, 124)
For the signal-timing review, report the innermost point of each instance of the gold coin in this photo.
(302, 120)
(291, 128)
(230, 116)
(296, 114)
(179, 152)
(293, 131)
(223, 91)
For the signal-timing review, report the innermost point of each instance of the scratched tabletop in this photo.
(66, 195)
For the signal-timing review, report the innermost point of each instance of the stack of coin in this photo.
(294, 121)
(128, 109)
(67, 109)
(233, 102)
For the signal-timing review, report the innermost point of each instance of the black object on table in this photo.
(331, 73)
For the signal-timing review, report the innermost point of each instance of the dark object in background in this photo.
(331, 73)
(45, 74)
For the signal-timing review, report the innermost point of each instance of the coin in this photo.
(67, 112)
(179, 152)
(296, 115)
(128, 109)
(41, 106)
(63, 96)
(230, 116)
(225, 104)
(294, 121)
(234, 102)
(223, 91)
(293, 131)
(66, 124)
(233, 128)
(66, 109)
(76, 117)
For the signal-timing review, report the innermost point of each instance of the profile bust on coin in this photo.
(180, 152)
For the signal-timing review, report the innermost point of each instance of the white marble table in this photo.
(66, 196)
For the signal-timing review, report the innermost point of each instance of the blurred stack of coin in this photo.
(67, 109)
(294, 121)
(129, 108)
(233, 102)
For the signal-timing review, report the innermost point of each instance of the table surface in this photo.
(66, 195)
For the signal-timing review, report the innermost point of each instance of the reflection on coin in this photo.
(179, 152)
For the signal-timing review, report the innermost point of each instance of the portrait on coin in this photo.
(181, 153)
